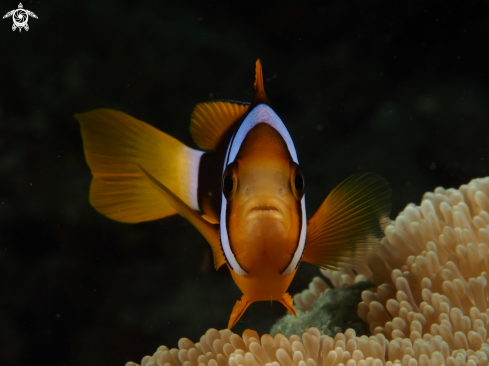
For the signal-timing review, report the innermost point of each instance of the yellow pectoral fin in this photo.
(238, 311)
(349, 224)
(208, 230)
(289, 303)
(114, 144)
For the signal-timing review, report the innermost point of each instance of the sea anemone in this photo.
(429, 306)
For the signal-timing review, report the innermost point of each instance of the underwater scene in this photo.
(244, 184)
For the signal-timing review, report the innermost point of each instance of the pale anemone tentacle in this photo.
(225, 348)
(430, 306)
(438, 260)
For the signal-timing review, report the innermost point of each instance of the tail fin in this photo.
(115, 143)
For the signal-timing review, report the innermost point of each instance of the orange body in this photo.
(263, 221)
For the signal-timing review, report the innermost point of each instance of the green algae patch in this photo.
(333, 312)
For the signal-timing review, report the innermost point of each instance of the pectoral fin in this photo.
(238, 311)
(208, 230)
(349, 224)
(289, 303)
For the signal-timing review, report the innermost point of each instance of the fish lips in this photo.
(264, 208)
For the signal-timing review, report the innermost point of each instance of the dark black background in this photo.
(395, 87)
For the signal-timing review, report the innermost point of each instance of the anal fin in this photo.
(238, 310)
(288, 303)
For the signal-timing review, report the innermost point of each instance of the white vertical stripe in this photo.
(190, 175)
(228, 253)
(302, 241)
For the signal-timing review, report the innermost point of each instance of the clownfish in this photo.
(244, 192)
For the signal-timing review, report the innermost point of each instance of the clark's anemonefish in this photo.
(247, 185)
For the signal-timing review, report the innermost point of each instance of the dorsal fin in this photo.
(260, 95)
(210, 121)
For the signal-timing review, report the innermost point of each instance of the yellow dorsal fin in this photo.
(210, 121)
(349, 224)
(114, 144)
(260, 95)
(208, 230)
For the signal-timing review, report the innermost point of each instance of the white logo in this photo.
(20, 17)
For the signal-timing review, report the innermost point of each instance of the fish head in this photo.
(263, 188)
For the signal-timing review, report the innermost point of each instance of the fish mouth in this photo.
(265, 208)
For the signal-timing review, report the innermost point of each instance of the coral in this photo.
(429, 306)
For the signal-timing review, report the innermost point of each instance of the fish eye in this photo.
(230, 181)
(297, 181)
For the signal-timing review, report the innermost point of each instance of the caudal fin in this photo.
(348, 226)
(115, 145)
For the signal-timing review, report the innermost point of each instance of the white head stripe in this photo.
(302, 241)
(262, 113)
(226, 246)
